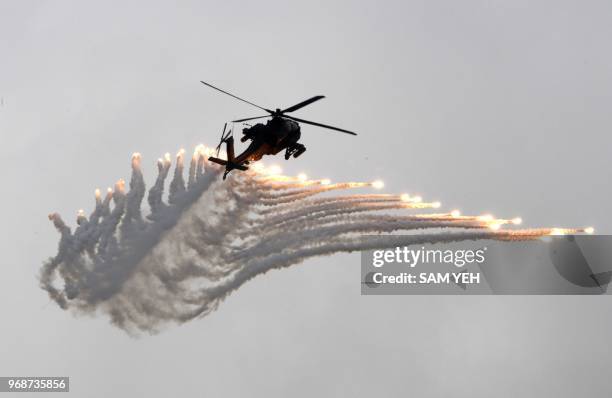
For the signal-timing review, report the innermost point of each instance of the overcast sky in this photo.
(487, 106)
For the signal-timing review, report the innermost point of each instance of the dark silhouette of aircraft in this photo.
(282, 131)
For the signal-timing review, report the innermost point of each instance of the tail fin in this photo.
(229, 143)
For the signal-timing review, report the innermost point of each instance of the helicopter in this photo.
(281, 132)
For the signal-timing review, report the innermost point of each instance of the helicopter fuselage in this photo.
(269, 139)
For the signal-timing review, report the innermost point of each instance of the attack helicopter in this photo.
(280, 132)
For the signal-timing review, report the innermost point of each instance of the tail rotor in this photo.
(224, 138)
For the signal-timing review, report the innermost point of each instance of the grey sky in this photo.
(487, 106)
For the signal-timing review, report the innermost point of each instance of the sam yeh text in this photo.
(425, 278)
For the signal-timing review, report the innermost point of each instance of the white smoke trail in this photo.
(341, 207)
(177, 186)
(284, 205)
(212, 236)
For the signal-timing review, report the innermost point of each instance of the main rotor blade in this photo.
(303, 104)
(238, 98)
(249, 118)
(319, 124)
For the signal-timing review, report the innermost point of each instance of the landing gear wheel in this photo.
(301, 149)
(295, 151)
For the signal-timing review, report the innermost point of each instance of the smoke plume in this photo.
(190, 251)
